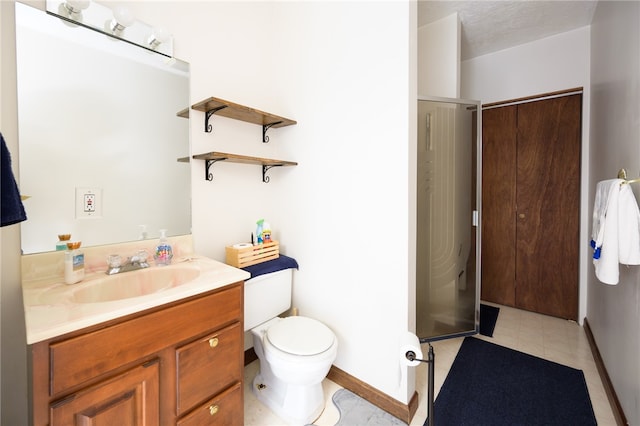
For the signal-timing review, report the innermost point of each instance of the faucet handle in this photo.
(142, 256)
(114, 261)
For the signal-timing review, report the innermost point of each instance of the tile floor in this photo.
(551, 338)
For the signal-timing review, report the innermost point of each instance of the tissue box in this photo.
(247, 256)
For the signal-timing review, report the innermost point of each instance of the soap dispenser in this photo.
(164, 252)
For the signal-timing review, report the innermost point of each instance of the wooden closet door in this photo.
(499, 127)
(531, 205)
(548, 205)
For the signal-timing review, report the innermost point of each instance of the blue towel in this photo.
(11, 210)
(275, 265)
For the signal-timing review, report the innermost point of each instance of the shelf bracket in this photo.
(265, 169)
(209, 113)
(266, 127)
(207, 165)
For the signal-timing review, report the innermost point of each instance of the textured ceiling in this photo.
(489, 26)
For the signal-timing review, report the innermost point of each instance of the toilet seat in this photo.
(300, 336)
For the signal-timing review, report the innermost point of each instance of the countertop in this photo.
(50, 309)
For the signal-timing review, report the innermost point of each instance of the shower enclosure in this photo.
(448, 218)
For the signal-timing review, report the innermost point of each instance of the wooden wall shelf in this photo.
(211, 106)
(228, 109)
(211, 158)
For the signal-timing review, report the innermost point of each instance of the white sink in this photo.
(134, 284)
(125, 285)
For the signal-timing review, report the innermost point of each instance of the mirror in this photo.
(99, 136)
(448, 199)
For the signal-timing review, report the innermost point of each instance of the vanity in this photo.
(172, 356)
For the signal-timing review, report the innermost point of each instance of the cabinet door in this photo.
(208, 365)
(131, 398)
(225, 409)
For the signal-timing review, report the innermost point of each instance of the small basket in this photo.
(247, 256)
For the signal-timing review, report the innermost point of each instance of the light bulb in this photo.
(76, 6)
(158, 36)
(122, 18)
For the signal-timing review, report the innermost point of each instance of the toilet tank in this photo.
(266, 296)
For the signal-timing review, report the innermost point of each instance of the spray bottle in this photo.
(259, 231)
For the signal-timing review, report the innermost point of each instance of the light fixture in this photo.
(76, 6)
(117, 23)
(158, 36)
(122, 18)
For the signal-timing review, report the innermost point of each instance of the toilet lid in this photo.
(300, 336)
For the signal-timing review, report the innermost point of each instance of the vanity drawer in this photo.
(208, 365)
(82, 358)
(225, 409)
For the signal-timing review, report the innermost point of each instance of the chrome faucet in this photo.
(133, 263)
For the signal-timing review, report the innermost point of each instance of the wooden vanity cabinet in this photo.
(224, 408)
(130, 398)
(177, 364)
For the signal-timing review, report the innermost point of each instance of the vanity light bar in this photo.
(117, 23)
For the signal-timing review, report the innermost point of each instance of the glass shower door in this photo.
(448, 206)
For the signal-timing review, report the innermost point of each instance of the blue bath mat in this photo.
(488, 319)
(491, 385)
(356, 411)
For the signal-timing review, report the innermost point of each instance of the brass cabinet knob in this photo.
(213, 409)
(521, 216)
(213, 342)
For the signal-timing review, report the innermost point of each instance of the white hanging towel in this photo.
(616, 229)
(604, 235)
(628, 227)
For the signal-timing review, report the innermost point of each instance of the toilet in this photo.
(295, 353)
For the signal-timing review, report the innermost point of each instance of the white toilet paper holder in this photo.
(431, 357)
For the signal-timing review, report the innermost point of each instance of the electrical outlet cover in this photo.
(88, 202)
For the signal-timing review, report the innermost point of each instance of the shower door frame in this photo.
(476, 219)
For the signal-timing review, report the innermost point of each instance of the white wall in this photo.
(439, 58)
(551, 64)
(614, 311)
(554, 63)
(346, 215)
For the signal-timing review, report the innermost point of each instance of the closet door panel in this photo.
(547, 200)
(498, 204)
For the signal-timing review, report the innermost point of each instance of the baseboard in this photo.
(374, 396)
(618, 413)
(360, 388)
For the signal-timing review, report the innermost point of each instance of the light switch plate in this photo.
(88, 202)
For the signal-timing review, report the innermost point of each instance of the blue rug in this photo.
(488, 319)
(493, 385)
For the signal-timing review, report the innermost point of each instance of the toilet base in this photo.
(295, 404)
